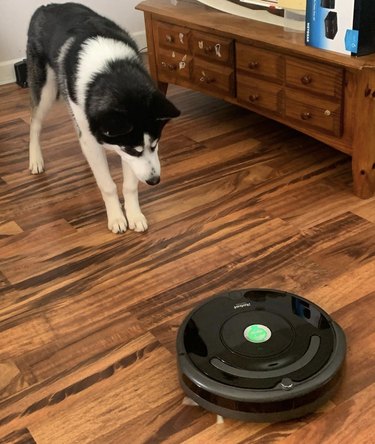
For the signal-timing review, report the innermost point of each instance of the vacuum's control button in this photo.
(257, 333)
(286, 384)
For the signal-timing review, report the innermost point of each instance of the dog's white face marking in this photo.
(94, 57)
(146, 167)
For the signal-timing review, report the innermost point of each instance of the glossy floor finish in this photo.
(88, 319)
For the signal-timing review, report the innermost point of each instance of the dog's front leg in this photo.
(136, 219)
(97, 160)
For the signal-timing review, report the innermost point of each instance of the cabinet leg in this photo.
(363, 177)
(363, 150)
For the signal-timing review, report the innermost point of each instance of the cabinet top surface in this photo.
(193, 13)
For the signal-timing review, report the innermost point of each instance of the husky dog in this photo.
(96, 67)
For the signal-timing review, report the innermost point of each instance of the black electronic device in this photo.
(330, 25)
(20, 69)
(260, 355)
(363, 22)
(328, 4)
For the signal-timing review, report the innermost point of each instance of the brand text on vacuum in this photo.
(242, 305)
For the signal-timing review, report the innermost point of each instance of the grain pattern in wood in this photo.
(88, 319)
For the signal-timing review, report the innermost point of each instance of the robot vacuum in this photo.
(260, 355)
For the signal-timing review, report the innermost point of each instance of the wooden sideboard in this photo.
(326, 95)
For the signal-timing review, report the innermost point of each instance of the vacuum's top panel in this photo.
(258, 339)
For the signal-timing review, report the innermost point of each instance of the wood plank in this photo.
(82, 407)
(11, 379)
(351, 422)
(9, 228)
(88, 319)
(22, 436)
(14, 103)
(30, 405)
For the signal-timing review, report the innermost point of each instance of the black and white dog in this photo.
(95, 66)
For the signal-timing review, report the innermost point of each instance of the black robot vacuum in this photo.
(260, 355)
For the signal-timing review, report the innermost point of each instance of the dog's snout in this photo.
(153, 180)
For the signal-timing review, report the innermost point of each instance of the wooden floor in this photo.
(88, 319)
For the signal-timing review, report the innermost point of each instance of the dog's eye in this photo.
(116, 134)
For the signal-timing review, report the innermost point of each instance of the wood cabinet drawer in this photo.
(173, 65)
(213, 77)
(170, 36)
(212, 47)
(314, 77)
(260, 62)
(313, 112)
(256, 94)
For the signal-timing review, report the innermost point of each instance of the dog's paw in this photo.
(137, 221)
(117, 224)
(36, 166)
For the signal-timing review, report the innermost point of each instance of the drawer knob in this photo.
(169, 38)
(170, 66)
(253, 97)
(306, 116)
(306, 79)
(206, 79)
(327, 112)
(254, 64)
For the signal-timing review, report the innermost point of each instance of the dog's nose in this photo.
(153, 181)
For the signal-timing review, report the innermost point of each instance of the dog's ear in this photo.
(162, 108)
(115, 124)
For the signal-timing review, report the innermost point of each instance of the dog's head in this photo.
(130, 121)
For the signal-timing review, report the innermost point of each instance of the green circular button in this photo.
(257, 333)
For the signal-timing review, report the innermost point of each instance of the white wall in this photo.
(15, 16)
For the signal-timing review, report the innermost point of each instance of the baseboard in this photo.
(7, 74)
